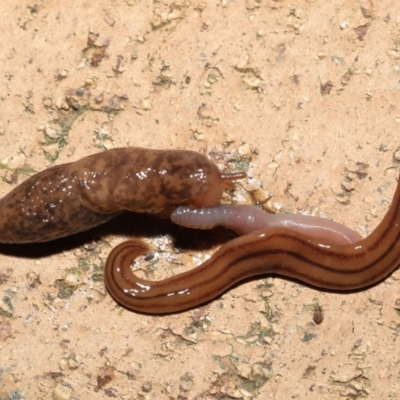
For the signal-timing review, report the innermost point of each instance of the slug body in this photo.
(77, 196)
(275, 250)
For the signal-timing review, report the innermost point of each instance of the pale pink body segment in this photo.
(245, 219)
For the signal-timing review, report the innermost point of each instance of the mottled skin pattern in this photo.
(74, 197)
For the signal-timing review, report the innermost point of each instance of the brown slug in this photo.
(73, 197)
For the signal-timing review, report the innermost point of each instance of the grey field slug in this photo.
(321, 263)
(70, 198)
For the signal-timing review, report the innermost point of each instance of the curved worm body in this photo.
(248, 219)
(77, 196)
(277, 250)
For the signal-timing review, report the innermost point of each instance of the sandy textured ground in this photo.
(303, 95)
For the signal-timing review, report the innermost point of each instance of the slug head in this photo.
(211, 184)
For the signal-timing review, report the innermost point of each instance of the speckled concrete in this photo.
(303, 95)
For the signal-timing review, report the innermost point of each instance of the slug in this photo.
(277, 250)
(247, 219)
(70, 198)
